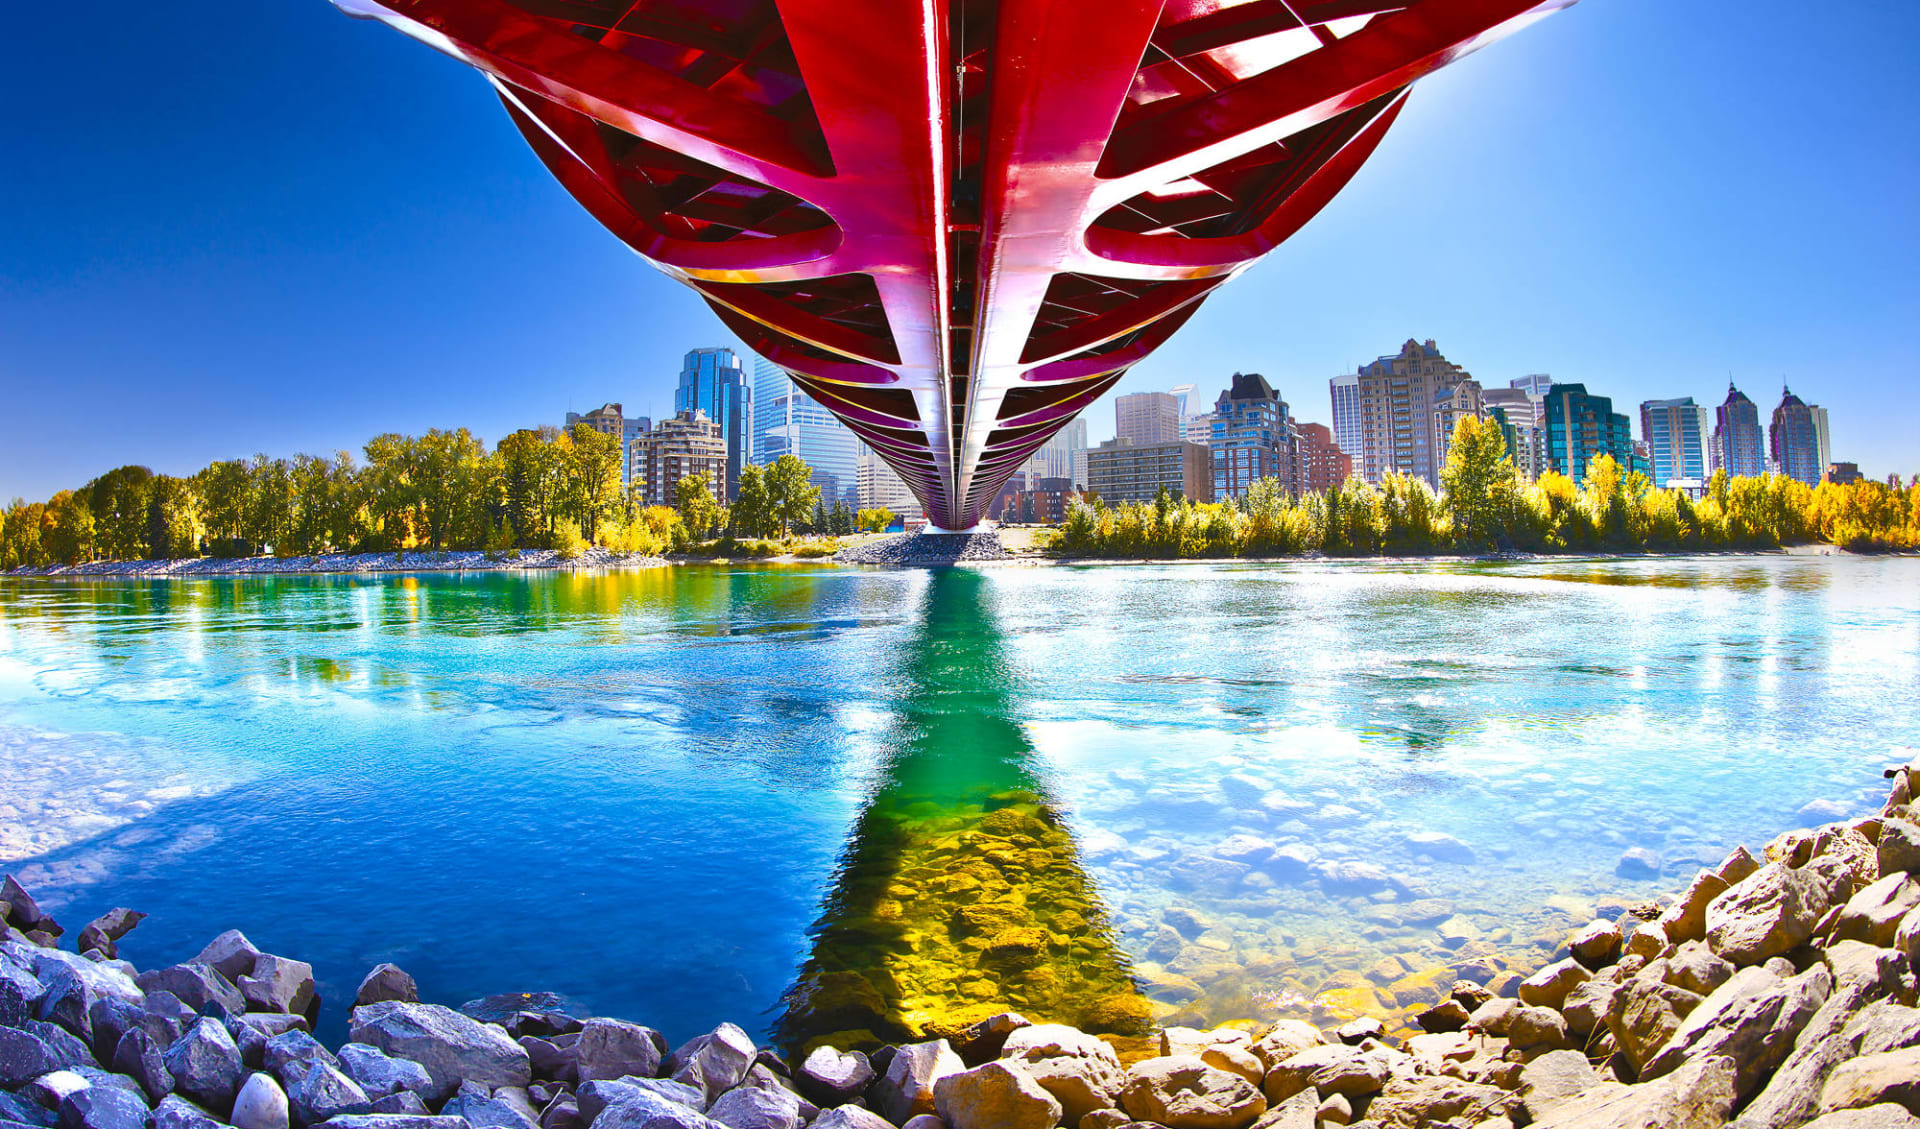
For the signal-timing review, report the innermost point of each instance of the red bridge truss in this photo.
(954, 222)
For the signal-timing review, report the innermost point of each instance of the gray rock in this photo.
(449, 1045)
(1883, 1116)
(278, 984)
(1549, 986)
(482, 1109)
(1645, 1013)
(716, 1062)
(394, 1121)
(608, 1048)
(906, 1090)
(832, 1077)
(1769, 913)
(103, 1107)
(1752, 1019)
(753, 1107)
(1415, 1102)
(1585, 1008)
(195, 985)
(288, 1054)
(1440, 846)
(103, 979)
(1697, 1096)
(1597, 944)
(176, 1112)
(380, 1074)
(997, 1095)
(105, 931)
(1697, 968)
(386, 983)
(1336, 1065)
(24, 1056)
(1536, 1028)
(20, 993)
(23, 1111)
(231, 954)
(1554, 1078)
(205, 1064)
(140, 1058)
(650, 1111)
(1182, 1092)
(323, 1093)
(251, 1041)
(851, 1117)
(1686, 919)
(261, 1104)
(67, 1003)
(111, 1019)
(1080, 1084)
(271, 1024)
(51, 1088)
(406, 1101)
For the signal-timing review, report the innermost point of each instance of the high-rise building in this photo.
(1793, 440)
(1820, 433)
(1346, 413)
(880, 488)
(1147, 418)
(1398, 395)
(1462, 401)
(1121, 470)
(1736, 445)
(1581, 428)
(712, 381)
(687, 444)
(1055, 458)
(607, 419)
(1253, 438)
(1676, 436)
(1196, 416)
(1323, 465)
(787, 421)
(1519, 414)
(1533, 384)
(1841, 474)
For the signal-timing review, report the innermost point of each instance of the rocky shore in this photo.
(927, 548)
(1777, 990)
(463, 560)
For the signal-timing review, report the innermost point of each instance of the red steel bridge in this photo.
(955, 222)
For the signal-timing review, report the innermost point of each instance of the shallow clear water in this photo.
(700, 793)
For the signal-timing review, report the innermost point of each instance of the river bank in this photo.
(1776, 990)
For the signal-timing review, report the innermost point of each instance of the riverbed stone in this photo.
(195, 985)
(104, 932)
(832, 1077)
(323, 1093)
(103, 1107)
(610, 1048)
(758, 1107)
(1638, 863)
(408, 1102)
(716, 1062)
(176, 1112)
(1873, 915)
(449, 1045)
(1898, 848)
(386, 983)
(380, 1074)
(1554, 1078)
(998, 1095)
(261, 1104)
(650, 1111)
(1836, 1033)
(205, 1064)
(1752, 1019)
(393, 1121)
(1645, 1013)
(288, 1054)
(1549, 986)
(1081, 1085)
(278, 984)
(1686, 919)
(1770, 912)
(851, 1117)
(138, 1057)
(907, 1088)
(1597, 944)
(1697, 968)
(1418, 1102)
(1697, 1096)
(483, 1110)
(230, 954)
(1182, 1092)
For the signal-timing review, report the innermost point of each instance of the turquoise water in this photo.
(664, 794)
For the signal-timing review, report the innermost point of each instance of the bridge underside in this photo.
(955, 222)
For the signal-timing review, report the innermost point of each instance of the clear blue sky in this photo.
(234, 227)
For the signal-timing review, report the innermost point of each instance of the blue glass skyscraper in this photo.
(786, 421)
(712, 381)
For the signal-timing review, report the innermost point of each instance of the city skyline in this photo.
(370, 249)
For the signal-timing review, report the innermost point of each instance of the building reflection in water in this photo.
(960, 893)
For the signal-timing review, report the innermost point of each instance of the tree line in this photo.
(539, 488)
(1484, 505)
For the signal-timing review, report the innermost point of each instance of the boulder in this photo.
(1645, 1013)
(1447, 1016)
(1836, 1033)
(983, 1041)
(1873, 915)
(832, 1077)
(609, 1048)
(1890, 1076)
(594, 1097)
(1235, 1058)
(1585, 1009)
(1285, 1039)
(67, 1002)
(176, 1112)
(1697, 1096)
(1883, 1116)
(1328, 1069)
(851, 1117)
(20, 993)
(1898, 848)
(907, 1088)
(1080, 1085)
(1538, 1028)
(103, 1107)
(1768, 913)
(231, 954)
(1052, 1040)
(1182, 1092)
(408, 1102)
(1597, 944)
(485, 1111)
(261, 1104)
(449, 1045)
(323, 1093)
(1417, 1102)
(138, 1057)
(1554, 1078)
(1440, 847)
(288, 1054)
(1686, 919)
(715, 1062)
(278, 984)
(23, 1111)
(1549, 986)
(387, 983)
(393, 1121)
(195, 985)
(1752, 1019)
(380, 1074)
(758, 1107)
(649, 1111)
(206, 1066)
(105, 931)
(103, 980)
(1697, 968)
(998, 1095)
(1358, 1030)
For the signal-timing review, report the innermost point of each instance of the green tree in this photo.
(791, 491)
(876, 520)
(173, 519)
(118, 500)
(69, 536)
(751, 513)
(1478, 482)
(699, 511)
(592, 461)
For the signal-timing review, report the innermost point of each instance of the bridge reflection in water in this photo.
(960, 893)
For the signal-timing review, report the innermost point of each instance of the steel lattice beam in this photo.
(954, 222)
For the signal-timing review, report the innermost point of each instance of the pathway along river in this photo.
(837, 799)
